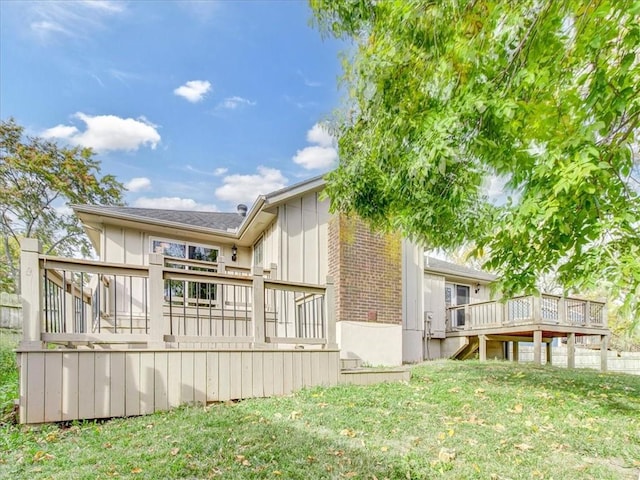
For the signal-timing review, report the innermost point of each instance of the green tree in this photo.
(38, 181)
(543, 94)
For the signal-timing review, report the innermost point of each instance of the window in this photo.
(196, 291)
(258, 252)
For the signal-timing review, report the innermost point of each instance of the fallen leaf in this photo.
(350, 474)
(136, 470)
(293, 415)
(384, 449)
(523, 446)
(517, 408)
(446, 455)
(348, 432)
(479, 391)
(276, 472)
(174, 451)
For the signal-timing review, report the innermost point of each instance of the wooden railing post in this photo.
(587, 313)
(273, 271)
(31, 293)
(157, 328)
(221, 264)
(257, 309)
(330, 309)
(536, 309)
(605, 315)
(562, 311)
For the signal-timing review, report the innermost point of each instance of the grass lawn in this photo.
(454, 420)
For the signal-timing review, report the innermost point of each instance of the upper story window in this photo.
(190, 292)
(258, 252)
(187, 250)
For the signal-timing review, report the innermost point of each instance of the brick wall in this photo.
(367, 271)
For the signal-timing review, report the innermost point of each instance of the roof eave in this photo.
(97, 211)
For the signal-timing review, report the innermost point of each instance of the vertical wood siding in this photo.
(302, 228)
(68, 385)
(434, 302)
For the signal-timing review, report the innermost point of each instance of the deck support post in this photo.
(482, 339)
(571, 350)
(258, 308)
(157, 327)
(549, 352)
(330, 312)
(604, 349)
(537, 347)
(31, 293)
(516, 352)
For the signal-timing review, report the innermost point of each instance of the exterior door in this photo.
(455, 295)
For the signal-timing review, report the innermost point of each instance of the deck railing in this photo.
(528, 309)
(167, 303)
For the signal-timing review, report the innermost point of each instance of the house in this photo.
(207, 306)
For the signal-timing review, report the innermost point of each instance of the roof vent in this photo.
(242, 210)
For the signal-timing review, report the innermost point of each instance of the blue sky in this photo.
(192, 104)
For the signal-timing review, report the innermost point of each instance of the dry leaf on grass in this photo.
(446, 455)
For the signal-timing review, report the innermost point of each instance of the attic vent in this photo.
(242, 210)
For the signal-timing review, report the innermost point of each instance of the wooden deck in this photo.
(538, 319)
(105, 340)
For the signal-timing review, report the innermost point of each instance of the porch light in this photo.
(477, 287)
(234, 253)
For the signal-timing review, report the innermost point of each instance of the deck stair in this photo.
(469, 351)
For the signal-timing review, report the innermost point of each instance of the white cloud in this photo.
(245, 188)
(231, 103)
(108, 132)
(316, 157)
(220, 171)
(323, 155)
(194, 90)
(320, 135)
(138, 184)
(60, 131)
(174, 203)
(79, 19)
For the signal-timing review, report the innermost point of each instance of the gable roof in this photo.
(432, 264)
(225, 226)
(223, 221)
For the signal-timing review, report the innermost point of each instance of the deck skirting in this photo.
(63, 385)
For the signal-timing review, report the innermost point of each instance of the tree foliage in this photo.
(543, 94)
(38, 181)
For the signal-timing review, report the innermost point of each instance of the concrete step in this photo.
(370, 376)
(350, 363)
